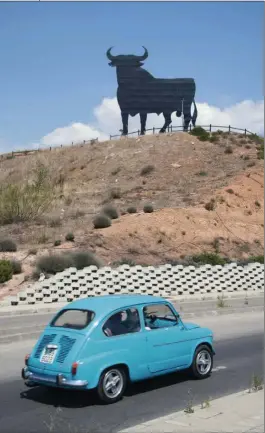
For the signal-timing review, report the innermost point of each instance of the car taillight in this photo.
(27, 359)
(74, 368)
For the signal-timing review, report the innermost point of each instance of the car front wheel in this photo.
(112, 384)
(202, 362)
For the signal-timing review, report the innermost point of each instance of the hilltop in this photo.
(177, 173)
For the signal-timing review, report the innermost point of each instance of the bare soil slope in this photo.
(185, 175)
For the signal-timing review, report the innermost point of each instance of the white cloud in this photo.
(246, 114)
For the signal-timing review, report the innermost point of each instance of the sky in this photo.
(56, 85)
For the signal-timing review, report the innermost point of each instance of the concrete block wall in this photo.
(167, 281)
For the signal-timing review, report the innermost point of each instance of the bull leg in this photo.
(125, 118)
(187, 119)
(168, 120)
(143, 118)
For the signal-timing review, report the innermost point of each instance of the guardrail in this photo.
(172, 128)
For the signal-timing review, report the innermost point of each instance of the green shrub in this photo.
(101, 221)
(131, 209)
(54, 263)
(110, 211)
(27, 200)
(256, 259)
(7, 246)
(209, 259)
(202, 173)
(57, 242)
(6, 271)
(16, 266)
(230, 191)
(148, 208)
(214, 138)
(147, 169)
(82, 259)
(200, 133)
(70, 237)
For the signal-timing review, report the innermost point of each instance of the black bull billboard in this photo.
(140, 93)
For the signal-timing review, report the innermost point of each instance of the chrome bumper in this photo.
(57, 380)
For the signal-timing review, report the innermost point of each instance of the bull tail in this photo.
(195, 114)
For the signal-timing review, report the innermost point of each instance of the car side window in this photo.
(122, 322)
(158, 316)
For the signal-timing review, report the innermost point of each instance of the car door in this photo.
(168, 344)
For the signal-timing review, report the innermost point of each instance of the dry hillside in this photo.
(184, 175)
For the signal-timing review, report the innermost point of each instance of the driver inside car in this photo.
(115, 326)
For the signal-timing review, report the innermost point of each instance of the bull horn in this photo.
(109, 55)
(144, 56)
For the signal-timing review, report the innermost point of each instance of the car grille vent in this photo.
(46, 339)
(66, 344)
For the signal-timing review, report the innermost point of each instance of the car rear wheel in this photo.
(112, 384)
(202, 362)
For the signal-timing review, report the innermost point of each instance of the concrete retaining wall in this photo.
(167, 281)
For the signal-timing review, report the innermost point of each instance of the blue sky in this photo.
(54, 70)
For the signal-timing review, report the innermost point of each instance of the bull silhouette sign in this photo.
(140, 93)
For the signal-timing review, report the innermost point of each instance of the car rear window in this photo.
(74, 319)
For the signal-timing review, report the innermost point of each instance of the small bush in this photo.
(43, 239)
(55, 222)
(101, 221)
(33, 252)
(200, 133)
(115, 193)
(70, 237)
(54, 263)
(228, 150)
(132, 209)
(261, 151)
(6, 271)
(27, 200)
(7, 246)
(57, 242)
(214, 138)
(202, 173)
(148, 208)
(147, 170)
(82, 259)
(257, 203)
(210, 205)
(230, 191)
(251, 164)
(110, 211)
(124, 261)
(209, 259)
(16, 266)
(116, 171)
(256, 259)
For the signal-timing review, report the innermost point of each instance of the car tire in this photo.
(118, 378)
(202, 363)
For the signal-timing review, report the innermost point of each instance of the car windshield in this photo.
(74, 319)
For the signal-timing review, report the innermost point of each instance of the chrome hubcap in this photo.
(113, 383)
(203, 362)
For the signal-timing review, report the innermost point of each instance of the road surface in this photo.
(239, 354)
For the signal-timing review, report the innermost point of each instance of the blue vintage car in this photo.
(105, 342)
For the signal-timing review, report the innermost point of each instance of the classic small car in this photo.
(105, 342)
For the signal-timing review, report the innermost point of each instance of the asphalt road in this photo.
(37, 410)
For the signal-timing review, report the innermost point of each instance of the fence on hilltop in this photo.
(170, 129)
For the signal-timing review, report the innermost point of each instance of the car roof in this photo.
(103, 305)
